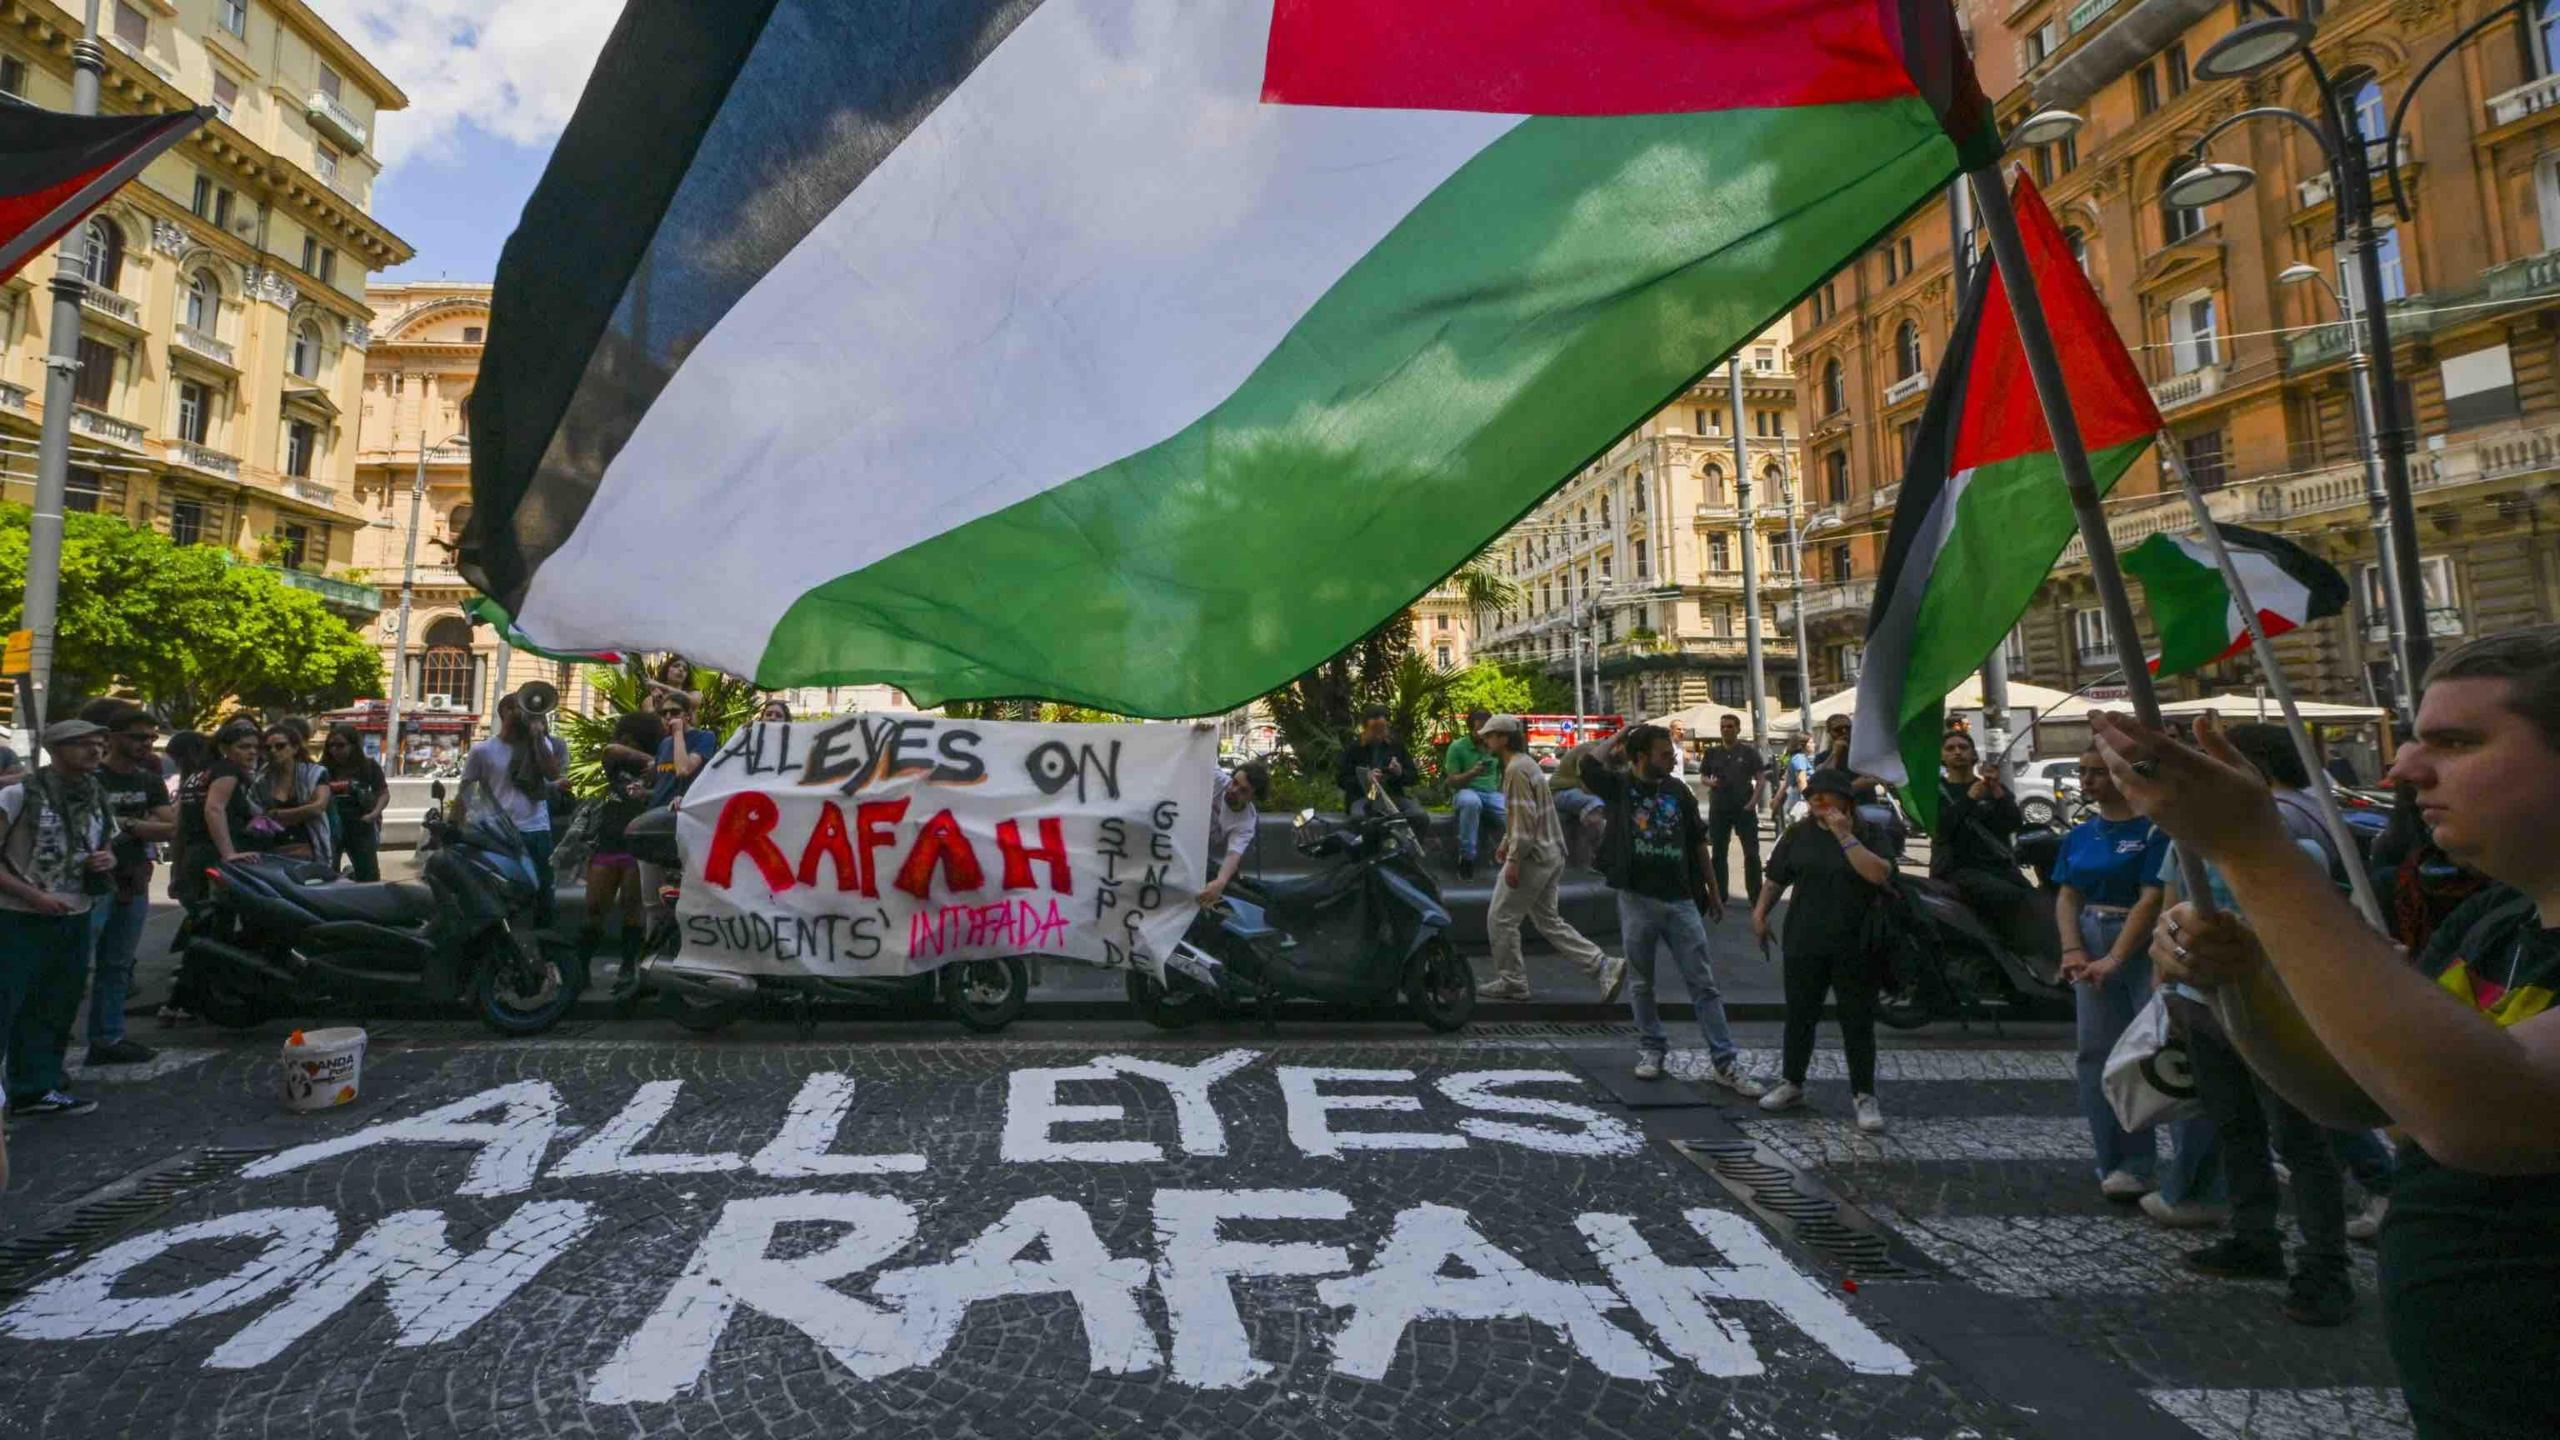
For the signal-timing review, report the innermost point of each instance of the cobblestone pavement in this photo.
(636, 1234)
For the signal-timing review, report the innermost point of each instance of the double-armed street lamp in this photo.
(2349, 154)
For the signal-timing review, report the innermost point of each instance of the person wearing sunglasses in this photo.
(291, 803)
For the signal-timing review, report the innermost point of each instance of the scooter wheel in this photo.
(510, 1006)
(699, 1015)
(986, 995)
(1441, 987)
(1162, 1008)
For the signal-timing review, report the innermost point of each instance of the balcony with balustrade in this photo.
(205, 460)
(117, 309)
(2188, 388)
(100, 425)
(2530, 98)
(335, 121)
(205, 347)
(1915, 383)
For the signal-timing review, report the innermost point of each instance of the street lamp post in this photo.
(2348, 153)
(61, 369)
(395, 752)
(1754, 663)
(2377, 488)
(1796, 534)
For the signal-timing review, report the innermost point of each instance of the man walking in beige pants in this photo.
(1532, 863)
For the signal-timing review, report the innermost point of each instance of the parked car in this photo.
(2048, 789)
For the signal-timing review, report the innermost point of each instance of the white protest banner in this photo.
(893, 844)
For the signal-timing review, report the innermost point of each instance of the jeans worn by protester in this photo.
(1650, 928)
(2104, 1011)
(115, 934)
(2250, 1118)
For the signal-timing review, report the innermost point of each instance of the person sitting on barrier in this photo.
(2460, 1049)
(1378, 759)
(1478, 778)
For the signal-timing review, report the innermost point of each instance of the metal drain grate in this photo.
(87, 1223)
(1555, 1030)
(1787, 1202)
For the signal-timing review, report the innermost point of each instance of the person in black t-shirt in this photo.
(1973, 849)
(1736, 779)
(144, 814)
(1829, 859)
(2460, 1050)
(613, 873)
(362, 792)
(1654, 854)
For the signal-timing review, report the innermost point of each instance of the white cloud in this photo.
(511, 68)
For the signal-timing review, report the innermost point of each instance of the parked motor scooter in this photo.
(1949, 965)
(276, 934)
(984, 995)
(1370, 931)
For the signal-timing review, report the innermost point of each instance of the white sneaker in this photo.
(2368, 1223)
(1613, 978)
(1870, 1114)
(1732, 1078)
(1785, 1095)
(2124, 1185)
(1503, 990)
(2189, 1217)
(1648, 1067)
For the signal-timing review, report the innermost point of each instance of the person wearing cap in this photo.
(1831, 860)
(140, 806)
(1530, 872)
(55, 862)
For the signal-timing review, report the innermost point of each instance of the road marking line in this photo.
(2359, 1413)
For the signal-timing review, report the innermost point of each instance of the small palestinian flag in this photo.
(1141, 353)
(1983, 512)
(2196, 614)
(55, 169)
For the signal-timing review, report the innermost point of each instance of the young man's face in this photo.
(1660, 760)
(133, 744)
(1732, 729)
(1374, 730)
(2488, 782)
(1239, 791)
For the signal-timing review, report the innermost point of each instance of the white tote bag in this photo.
(2148, 1079)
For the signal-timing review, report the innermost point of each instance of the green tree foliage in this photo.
(187, 628)
(725, 703)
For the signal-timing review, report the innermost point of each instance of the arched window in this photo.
(1712, 480)
(2360, 102)
(2079, 244)
(103, 264)
(306, 350)
(1835, 478)
(462, 416)
(1906, 350)
(204, 302)
(2177, 222)
(446, 667)
(459, 520)
(1835, 392)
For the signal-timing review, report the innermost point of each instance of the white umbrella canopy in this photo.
(1704, 721)
(2048, 704)
(2244, 706)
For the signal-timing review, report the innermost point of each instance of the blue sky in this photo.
(490, 84)
(458, 206)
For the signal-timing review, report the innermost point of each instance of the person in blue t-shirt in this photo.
(2109, 874)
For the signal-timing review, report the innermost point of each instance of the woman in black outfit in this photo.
(360, 791)
(213, 826)
(1830, 860)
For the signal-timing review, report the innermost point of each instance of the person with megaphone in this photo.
(520, 765)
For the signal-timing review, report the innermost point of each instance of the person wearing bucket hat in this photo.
(1832, 861)
(55, 861)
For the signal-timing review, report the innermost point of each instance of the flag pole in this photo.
(2009, 252)
(2272, 668)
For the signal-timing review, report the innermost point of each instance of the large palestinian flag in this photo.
(1983, 512)
(56, 168)
(2197, 614)
(1140, 353)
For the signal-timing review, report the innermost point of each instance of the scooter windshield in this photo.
(485, 825)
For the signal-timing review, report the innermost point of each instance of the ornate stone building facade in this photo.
(1639, 557)
(2250, 373)
(223, 340)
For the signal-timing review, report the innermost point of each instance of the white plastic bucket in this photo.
(323, 1068)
